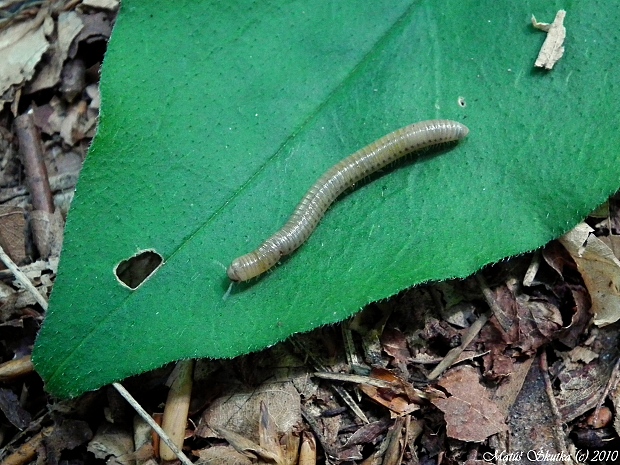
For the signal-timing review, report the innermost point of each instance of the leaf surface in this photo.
(218, 116)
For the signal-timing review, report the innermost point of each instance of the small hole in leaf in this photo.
(137, 269)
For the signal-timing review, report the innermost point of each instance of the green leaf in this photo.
(218, 116)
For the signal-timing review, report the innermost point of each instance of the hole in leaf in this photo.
(137, 269)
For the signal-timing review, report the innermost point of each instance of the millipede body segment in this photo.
(334, 182)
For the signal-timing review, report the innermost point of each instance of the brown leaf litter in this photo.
(521, 357)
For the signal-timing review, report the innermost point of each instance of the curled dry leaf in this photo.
(401, 397)
(469, 412)
(21, 47)
(369, 433)
(553, 47)
(521, 321)
(68, 27)
(600, 270)
(13, 411)
(394, 344)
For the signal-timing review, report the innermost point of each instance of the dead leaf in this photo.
(581, 384)
(520, 320)
(69, 26)
(96, 28)
(582, 354)
(247, 447)
(113, 444)
(221, 455)
(395, 345)
(531, 422)
(39, 273)
(553, 46)
(370, 433)
(394, 440)
(307, 453)
(12, 232)
(614, 395)
(13, 411)
(240, 411)
(401, 397)
(558, 258)
(102, 4)
(47, 231)
(268, 449)
(600, 270)
(21, 47)
(67, 435)
(268, 434)
(73, 79)
(469, 412)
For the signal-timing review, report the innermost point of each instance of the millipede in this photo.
(334, 182)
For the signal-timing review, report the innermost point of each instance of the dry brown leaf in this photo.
(240, 411)
(221, 455)
(21, 47)
(370, 433)
(268, 434)
(522, 322)
(246, 447)
(71, 128)
(558, 258)
(581, 384)
(600, 270)
(401, 397)
(47, 231)
(69, 26)
(469, 412)
(395, 345)
(96, 27)
(532, 424)
(395, 445)
(572, 334)
(12, 232)
(113, 444)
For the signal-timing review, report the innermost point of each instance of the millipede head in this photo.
(233, 272)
